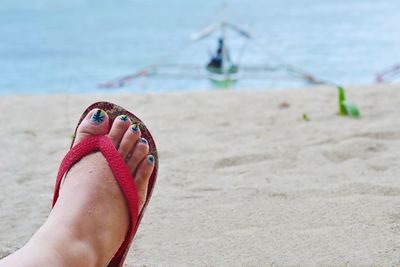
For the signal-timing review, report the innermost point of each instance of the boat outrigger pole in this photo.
(389, 74)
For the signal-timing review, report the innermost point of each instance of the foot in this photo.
(90, 219)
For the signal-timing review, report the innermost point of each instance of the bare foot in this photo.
(90, 219)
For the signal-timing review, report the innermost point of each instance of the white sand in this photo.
(242, 180)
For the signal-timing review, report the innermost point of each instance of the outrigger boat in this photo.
(221, 69)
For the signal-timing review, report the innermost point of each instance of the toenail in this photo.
(143, 141)
(123, 118)
(135, 127)
(150, 159)
(98, 116)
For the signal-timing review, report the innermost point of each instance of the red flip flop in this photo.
(118, 167)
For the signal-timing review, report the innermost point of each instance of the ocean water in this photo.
(58, 46)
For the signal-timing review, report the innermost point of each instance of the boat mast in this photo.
(224, 66)
(224, 25)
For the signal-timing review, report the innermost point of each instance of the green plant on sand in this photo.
(346, 108)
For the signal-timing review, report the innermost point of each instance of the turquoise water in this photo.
(73, 45)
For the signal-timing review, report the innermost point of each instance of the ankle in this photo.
(77, 253)
(61, 249)
(40, 252)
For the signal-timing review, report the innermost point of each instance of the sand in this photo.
(243, 179)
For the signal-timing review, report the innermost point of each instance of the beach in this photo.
(244, 180)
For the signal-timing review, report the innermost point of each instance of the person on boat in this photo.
(216, 60)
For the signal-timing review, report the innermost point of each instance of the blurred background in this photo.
(74, 45)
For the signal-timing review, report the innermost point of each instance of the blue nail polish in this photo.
(123, 118)
(143, 141)
(150, 159)
(135, 127)
(98, 116)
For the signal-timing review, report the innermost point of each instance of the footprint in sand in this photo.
(388, 135)
(354, 149)
(240, 160)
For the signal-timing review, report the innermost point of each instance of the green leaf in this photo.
(346, 108)
(341, 99)
(351, 109)
(305, 117)
(342, 94)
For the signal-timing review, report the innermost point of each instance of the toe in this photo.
(142, 178)
(130, 138)
(138, 154)
(95, 123)
(118, 129)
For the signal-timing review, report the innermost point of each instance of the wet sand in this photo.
(243, 179)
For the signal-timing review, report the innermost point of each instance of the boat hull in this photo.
(222, 79)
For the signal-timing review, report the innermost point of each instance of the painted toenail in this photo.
(150, 159)
(143, 141)
(98, 116)
(123, 118)
(135, 127)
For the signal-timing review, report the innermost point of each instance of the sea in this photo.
(73, 46)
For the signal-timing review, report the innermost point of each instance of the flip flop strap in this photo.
(118, 167)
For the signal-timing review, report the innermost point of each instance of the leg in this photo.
(90, 219)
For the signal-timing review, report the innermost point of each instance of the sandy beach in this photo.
(243, 179)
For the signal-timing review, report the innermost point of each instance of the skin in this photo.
(90, 219)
